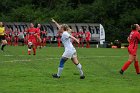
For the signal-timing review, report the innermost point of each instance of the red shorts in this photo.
(87, 40)
(132, 51)
(33, 41)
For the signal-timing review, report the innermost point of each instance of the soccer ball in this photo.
(30, 43)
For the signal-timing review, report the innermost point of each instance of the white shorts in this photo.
(70, 54)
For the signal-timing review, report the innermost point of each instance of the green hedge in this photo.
(115, 15)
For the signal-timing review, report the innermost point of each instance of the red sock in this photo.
(78, 44)
(29, 51)
(34, 50)
(126, 65)
(58, 44)
(136, 64)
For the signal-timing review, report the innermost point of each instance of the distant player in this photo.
(38, 35)
(44, 37)
(16, 37)
(58, 36)
(70, 51)
(2, 36)
(133, 39)
(25, 36)
(73, 33)
(10, 36)
(88, 36)
(81, 38)
(32, 39)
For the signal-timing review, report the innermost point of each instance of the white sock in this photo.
(59, 71)
(79, 66)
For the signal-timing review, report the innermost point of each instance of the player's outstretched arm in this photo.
(74, 38)
(128, 39)
(56, 23)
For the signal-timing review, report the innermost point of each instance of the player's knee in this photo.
(62, 62)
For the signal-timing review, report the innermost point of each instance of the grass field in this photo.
(21, 73)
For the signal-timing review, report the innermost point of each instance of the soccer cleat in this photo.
(34, 54)
(121, 72)
(2, 49)
(55, 76)
(82, 77)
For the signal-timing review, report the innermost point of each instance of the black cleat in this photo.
(34, 54)
(121, 72)
(82, 77)
(55, 76)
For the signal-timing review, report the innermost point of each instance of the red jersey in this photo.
(59, 35)
(38, 31)
(77, 35)
(134, 37)
(88, 35)
(44, 34)
(31, 32)
(81, 35)
(7, 33)
(73, 34)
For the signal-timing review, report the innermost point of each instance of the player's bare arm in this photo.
(59, 26)
(74, 38)
(128, 39)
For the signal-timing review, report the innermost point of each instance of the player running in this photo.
(88, 36)
(2, 36)
(133, 39)
(38, 35)
(70, 51)
(32, 35)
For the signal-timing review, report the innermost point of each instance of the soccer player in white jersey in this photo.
(70, 51)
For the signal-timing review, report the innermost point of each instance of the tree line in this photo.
(115, 15)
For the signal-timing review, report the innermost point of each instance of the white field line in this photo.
(78, 57)
(56, 58)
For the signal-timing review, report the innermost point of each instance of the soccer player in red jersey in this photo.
(32, 39)
(81, 38)
(58, 36)
(133, 39)
(44, 37)
(16, 34)
(38, 35)
(88, 36)
(73, 33)
(25, 36)
(10, 36)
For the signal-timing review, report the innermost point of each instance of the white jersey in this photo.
(67, 41)
(69, 48)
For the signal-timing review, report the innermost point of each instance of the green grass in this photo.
(20, 73)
